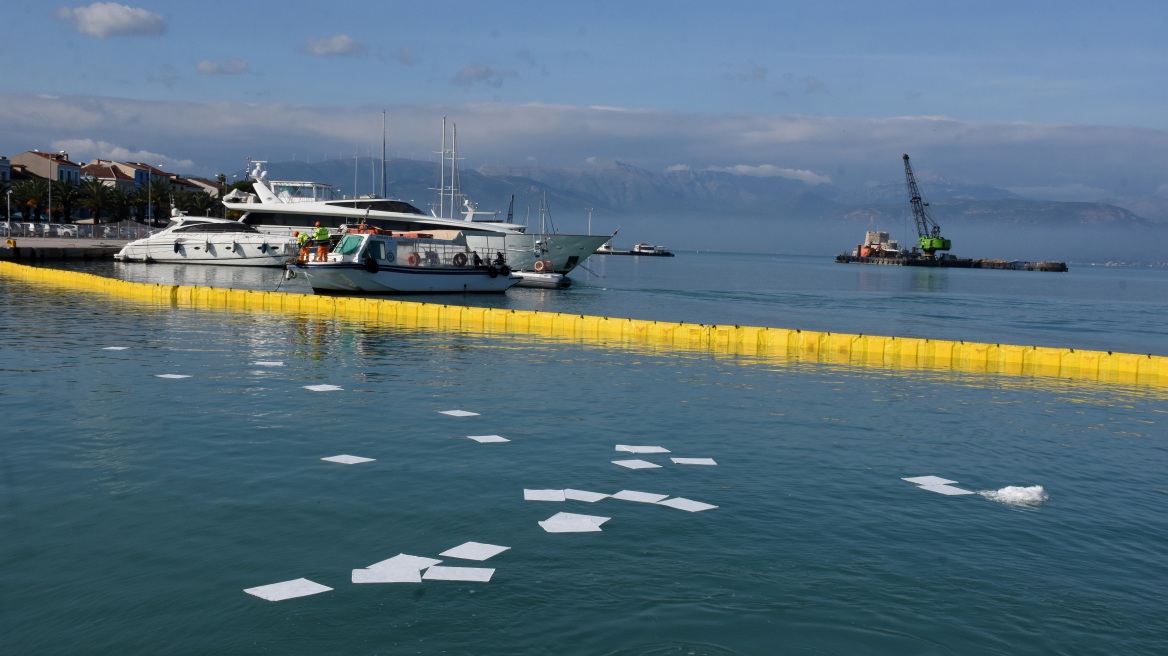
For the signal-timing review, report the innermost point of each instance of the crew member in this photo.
(302, 241)
(322, 242)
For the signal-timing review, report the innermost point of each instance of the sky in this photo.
(1059, 100)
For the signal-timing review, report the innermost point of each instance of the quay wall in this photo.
(788, 345)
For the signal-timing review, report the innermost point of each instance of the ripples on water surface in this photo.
(136, 509)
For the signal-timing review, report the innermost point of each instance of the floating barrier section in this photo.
(770, 343)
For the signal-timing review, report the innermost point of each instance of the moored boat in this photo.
(374, 261)
(210, 240)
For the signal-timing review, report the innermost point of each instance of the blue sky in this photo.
(1061, 100)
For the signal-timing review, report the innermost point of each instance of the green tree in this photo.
(95, 197)
(30, 196)
(161, 192)
(138, 203)
(195, 203)
(120, 202)
(66, 195)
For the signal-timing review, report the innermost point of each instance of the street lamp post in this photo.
(8, 223)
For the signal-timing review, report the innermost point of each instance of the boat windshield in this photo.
(350, 244)
(215, 227)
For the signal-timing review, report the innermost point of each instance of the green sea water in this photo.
(135, 510)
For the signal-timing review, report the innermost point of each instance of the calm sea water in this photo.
(134, 510)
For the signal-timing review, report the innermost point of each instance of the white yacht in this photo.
(210, 240)
(281, 207)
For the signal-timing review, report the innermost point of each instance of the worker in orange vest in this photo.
(302, 241)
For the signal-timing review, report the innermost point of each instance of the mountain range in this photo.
(712, 209)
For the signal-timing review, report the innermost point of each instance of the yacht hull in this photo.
(389, 279)
(231, 250)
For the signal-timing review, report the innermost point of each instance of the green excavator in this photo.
(928, 232)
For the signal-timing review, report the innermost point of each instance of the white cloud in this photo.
(229, 67)
(481, 73)
(85, 150)
(341, 45)
(772, 171)
(106, 19)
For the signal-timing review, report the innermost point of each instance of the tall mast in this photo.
(442, 173)
(383, 153)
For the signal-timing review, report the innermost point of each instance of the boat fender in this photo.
(371, 264)
(177, 247)
(264, 247)
(539, 266)
(505, 270)
(413, 259)
(459, 259)
(547, 267)
(492, 271)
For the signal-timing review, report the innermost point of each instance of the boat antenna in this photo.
(511, 209)
(383, 153)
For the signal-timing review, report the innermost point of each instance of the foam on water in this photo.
(1017, 496)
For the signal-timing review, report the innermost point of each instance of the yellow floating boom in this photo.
(767, 343)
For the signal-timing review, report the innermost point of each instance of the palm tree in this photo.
(120, 203)
(196, 203)
(137, 200)
(30, 196)
(95, 196)
(65, 196)
(160, 193)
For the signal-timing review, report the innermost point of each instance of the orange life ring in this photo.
(413, 259)
(460, 259)
(539, 266)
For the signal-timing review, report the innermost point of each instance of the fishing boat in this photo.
(374, 261)
(210, 240)
(541, 272)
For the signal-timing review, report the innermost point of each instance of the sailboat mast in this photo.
(442, 173)
(383, 153)
(453, 168)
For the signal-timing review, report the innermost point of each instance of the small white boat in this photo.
(210, 240)
(373, 261)
(550, 280)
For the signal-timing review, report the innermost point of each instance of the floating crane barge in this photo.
(879, 249)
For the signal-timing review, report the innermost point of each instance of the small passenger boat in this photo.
(372, 261)
(210, 240)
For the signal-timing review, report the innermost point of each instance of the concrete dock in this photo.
(33, 249)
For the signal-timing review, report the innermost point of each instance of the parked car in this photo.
(63, 230)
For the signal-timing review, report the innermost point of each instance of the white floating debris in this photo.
(643, 497)
(1018, 496)
(485, 439)
(641, 449)
(399, 574)
(681, 503)
(323, 388)
(474, 551)
(404, 561)
(543, 495)
(584, 495)
(288, 590)
(443, 573)
(172, 376)
(268, 364)
(572, 523)
(636, 464)
(348, 460)
(947, 490)
(928, 480)
(460, 413)
(115, 348)
(693, 461)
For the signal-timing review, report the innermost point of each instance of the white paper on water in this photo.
(628, 448)
(268, 364)
(474, 551)
(584, 495)
(115, 348)
(173, 376)
(323, 388)
(946, 490)
(543, 495)
(404, 561)
(288, 590)
(443, 573)
(636, 464)
(572, 523)
(681, 503)
(459, 413)
(928, 480)
(693, 461)
(348, 460)
(642, 497)
(487, 439)
(398, 574)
